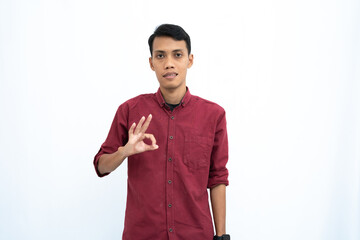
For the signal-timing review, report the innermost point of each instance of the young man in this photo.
(173, 160)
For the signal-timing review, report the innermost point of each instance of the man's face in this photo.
(170, 61)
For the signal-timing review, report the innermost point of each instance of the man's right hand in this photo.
(109, 162)
(137, 135)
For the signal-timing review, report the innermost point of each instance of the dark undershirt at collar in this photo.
(172, 106)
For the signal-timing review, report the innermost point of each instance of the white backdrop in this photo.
(287, 73)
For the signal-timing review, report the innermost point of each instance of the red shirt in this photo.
(167, 194)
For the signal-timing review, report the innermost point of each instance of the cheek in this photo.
(186, 64)
(158, 74)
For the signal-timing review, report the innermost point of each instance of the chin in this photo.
(171, 86)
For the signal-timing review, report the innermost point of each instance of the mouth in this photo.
(170, 75)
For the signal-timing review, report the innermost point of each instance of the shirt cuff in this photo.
(96, 162)
(219, 178)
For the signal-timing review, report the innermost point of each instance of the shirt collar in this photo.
(184, 100)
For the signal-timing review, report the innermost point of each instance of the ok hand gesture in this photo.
(137, 135)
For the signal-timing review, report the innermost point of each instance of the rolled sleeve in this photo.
(118, 136)
(219, 157)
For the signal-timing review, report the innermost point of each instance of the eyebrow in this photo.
(162, 51)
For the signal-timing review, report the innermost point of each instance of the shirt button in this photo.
(172, 117)
(170, 159)
(170, 229)
(169, 205)
(171, 137)
(169, 181)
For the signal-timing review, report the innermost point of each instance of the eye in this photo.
(160, 55)
(178, 55)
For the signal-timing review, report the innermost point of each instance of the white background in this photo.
(287, 73)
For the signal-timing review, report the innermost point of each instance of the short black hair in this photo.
(170, 30)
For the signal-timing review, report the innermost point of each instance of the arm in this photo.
(109, 162)
(218, 205)
(218, 175)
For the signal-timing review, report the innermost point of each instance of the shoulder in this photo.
(208, 105)
(134, 102)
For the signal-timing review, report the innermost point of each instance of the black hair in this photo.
(170, 30)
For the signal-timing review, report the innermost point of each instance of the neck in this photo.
(173, 96)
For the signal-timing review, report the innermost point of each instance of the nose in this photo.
(169, 63)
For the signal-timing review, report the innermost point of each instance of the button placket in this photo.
(170, 172)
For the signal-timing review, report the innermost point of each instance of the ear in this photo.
(151, 64)
(191, 60)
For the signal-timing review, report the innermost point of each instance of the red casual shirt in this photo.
(167, 194)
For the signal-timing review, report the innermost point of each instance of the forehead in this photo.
(168, 44)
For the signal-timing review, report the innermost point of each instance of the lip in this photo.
(170, 75)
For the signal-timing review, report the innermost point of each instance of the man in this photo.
(173, 160)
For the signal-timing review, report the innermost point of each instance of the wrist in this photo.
(222, 237)
(123, 152)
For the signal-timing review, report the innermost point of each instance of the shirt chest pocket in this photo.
(197, 151)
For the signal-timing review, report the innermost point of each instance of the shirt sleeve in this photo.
(219, 157)
(118, 136)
